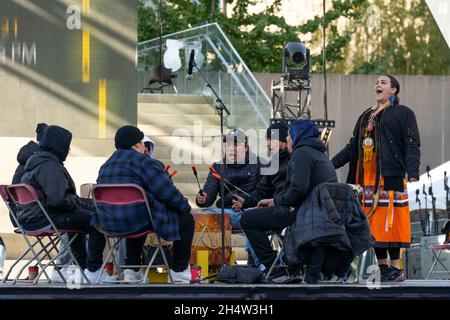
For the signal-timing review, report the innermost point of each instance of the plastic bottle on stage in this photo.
(2, 256)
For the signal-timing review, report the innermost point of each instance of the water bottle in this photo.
(2, 256)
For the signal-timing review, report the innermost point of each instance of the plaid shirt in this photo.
(166, 201)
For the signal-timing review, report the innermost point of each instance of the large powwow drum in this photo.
(208, 236)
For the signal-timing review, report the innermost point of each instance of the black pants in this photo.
(256, 222)
(79, 219)
(181, 248)
(382, 253)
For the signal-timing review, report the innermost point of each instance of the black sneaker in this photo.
(396, 275)
(311, 279)
(384, 272)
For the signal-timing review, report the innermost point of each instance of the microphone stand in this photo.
(433, 202)
(427, 214)
(447, 189)
(433, 205)
(422, 223)
(221, 108)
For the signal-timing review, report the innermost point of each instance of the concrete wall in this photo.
(67, 63)
(350, 95)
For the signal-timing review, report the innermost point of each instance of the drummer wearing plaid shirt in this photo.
(170, 209)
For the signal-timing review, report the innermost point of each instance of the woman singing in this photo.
(385, 146)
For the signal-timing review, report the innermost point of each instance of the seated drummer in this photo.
(170, 210)
(272, 183)
(241, 170)
(150, 149)
(308, 167)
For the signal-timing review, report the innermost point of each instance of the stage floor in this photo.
(410, 289)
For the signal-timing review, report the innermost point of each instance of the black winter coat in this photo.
(46, 173)
(331, 216)
(244, 176)
(308, 167)
(400, 144)
(270, 185)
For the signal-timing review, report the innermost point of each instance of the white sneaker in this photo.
(182, 277)
(93, 276)
(56, 278)
(130, 275)
(73, 276)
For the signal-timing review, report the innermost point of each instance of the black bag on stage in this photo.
(239, 274)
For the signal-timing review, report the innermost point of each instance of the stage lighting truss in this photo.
(296, 78)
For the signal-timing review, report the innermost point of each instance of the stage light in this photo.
(296, 60)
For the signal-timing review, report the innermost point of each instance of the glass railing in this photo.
(249, 105)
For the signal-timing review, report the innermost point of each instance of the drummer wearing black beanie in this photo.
(273, 181)
(170, 210)
(127, 137)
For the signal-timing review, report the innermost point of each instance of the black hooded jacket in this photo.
(46, 173)
(24, 154)
(270, 185)
(245, 176)
(308, 167)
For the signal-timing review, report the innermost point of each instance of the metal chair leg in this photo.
(36, 257)
(274, 263)
(436, 261)
(53, 247)
(431, 269)
(362, 265)
(439, 261)
(72, 259)
(160, 247)
(116, 244)
(14, 264)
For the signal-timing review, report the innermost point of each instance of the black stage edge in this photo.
(408, 290)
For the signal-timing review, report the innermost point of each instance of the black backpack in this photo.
(239, 274)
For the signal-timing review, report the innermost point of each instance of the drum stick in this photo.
(174, 172)
(212, 170)
(194, 170)
(218, 178)
(238, 189)
(166, 168)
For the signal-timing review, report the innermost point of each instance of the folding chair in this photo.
(23, 194)
(277, 243)
(437, 250)
(121, 195)
(31, 246)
